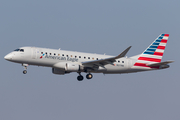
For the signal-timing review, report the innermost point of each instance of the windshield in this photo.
(21, 50)
(16, 49)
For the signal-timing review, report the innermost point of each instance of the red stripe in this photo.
(163, 41)
(161, 47)
(167, 35)
(144, 65)
(158, 53)
(140, 64)
(149, 59)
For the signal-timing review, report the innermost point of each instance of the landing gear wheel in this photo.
(80, 78)
(89, 76)
(25, 71)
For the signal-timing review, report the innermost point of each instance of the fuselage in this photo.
(49, 57)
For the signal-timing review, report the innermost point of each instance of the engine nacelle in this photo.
(69, 67)
(58, 71)
(72, 67)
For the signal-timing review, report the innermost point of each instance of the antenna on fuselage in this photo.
(59, 49)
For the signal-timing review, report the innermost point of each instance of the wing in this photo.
(103, 62)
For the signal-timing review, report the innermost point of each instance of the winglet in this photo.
(123, 53)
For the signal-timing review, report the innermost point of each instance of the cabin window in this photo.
(50, 53)
(54, 53)
(71, 56)
(62, 54)
(75, 56)
(118, 61)
(122, 61)
(79, 56)
(46, 53)
(41, 52)
(84, 57)
(96, 58)
(67, 55)
(58, 54)
(88, 57)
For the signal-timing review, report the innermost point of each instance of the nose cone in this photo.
(8, 57)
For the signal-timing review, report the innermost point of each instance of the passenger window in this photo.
(96, 58)
(122, 61)
(88, 57)
(75, 56)
(67, 55)
(71, 56)
(79, 56)
(62, 54)
(58, 54)
(50, 53)
(84, 57)
(41, 52)
(118, 61)
(46, 53)
(54, 53)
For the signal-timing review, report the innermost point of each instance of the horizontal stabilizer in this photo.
(161, 63)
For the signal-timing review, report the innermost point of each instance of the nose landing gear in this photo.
(25, 67)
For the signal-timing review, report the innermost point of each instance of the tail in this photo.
(154, 53)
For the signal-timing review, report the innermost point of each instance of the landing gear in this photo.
(80, 78)
(89, 76)
(25, 71)
(25, 67)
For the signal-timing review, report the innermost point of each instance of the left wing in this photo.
(103, 62)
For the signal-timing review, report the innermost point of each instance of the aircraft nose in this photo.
(8, 57)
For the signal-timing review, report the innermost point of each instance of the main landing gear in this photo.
(88, 76)
(25, 67)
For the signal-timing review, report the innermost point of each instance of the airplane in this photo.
(64, 62)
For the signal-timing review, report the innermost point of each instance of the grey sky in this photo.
(94, 26)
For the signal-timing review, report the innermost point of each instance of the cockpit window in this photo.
(16, 49)
(21, 50)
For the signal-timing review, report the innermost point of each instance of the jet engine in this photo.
(72, 67)
(68, 67)
(58, 71)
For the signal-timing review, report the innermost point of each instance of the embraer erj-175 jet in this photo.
(63, 62)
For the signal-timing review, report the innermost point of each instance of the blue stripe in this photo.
(162, 34)
(160, 37)
(151, 53)
(155, 43)
(158, 41)
(153, 46)
(151, 49)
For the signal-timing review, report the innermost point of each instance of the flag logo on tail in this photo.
(154, 53)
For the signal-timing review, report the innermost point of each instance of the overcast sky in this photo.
(94, 26)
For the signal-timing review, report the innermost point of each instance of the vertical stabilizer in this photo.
(154, 53)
